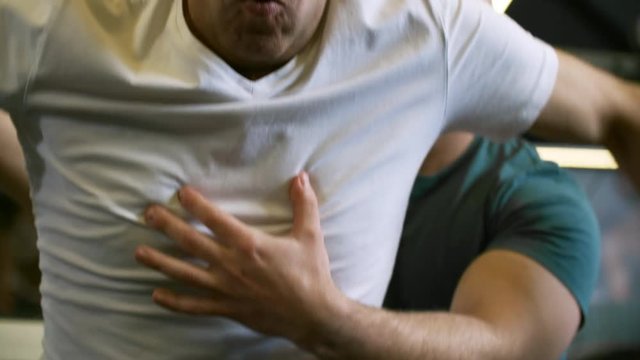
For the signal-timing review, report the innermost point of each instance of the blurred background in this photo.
(603, 32)
(607, 34)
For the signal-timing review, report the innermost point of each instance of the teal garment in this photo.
(496, 196)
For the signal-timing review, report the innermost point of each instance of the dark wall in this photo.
(596, 24)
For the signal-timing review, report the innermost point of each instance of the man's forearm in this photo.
(506, 306)
(357, 331)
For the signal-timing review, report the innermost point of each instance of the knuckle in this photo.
(210, 216)
(311, 232)
(191, 277)
(226, 285)
(248, 246)
(205, 308)
(157, 220)
(311, 199)
(189, 238)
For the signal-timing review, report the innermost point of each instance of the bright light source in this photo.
(501, 5)
(580, 158)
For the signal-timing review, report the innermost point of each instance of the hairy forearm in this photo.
(356, 331)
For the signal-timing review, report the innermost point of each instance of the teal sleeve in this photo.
(544, 215)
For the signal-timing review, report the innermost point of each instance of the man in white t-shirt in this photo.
(118, 104)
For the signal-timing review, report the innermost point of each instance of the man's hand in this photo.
(505, 307)
(275, 285)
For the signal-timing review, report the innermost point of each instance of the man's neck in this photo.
(234, 38)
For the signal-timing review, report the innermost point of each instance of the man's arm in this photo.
(589, 105)
(13, 175)
(505, 307)
(14, 185)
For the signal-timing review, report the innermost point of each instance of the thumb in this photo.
(306, 217)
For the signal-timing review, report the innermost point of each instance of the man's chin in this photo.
(258, 57)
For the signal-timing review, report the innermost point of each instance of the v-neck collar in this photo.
(265, 87)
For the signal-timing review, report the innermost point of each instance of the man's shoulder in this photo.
(22, 25)
(496, 162)
(521, 179)
(38, 13)
(22, 22)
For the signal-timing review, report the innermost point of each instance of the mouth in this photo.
(263, 7)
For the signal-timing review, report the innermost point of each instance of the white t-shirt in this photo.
(117, 105)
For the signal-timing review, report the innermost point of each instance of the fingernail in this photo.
(158, 294)
(150, 216)
(179, 195)
(141, 251)
(304, 179)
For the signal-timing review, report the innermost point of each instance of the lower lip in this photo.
(263, 8)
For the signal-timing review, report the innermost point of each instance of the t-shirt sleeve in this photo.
(544, 215)
(499, 77)
(22, 26)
